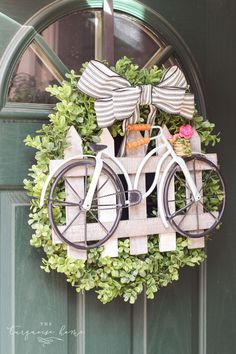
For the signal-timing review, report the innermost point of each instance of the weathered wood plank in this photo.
(167, 241)
(111, 246)
(138, 245)
(196, 147)
(151, 226)
(131, 164)
(75, 147)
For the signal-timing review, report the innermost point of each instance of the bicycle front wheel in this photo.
(189, 217)
(75, 226)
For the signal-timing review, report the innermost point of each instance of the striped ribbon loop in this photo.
(116, 99)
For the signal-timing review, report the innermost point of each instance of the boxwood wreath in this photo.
(126, 275)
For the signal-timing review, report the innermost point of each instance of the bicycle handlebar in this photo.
(143, 127)
(134, 144)
(139, 127)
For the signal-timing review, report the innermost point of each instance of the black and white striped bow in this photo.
(116, 99)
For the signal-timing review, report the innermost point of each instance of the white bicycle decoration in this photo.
(95, 198)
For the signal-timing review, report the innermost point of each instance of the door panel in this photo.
(108, 327)
(32, 301)
(173, 317)
(15, 157)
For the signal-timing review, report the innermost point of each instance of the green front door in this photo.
(39, 312)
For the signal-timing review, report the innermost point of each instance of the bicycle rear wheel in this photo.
(75, 226)
(189, 217)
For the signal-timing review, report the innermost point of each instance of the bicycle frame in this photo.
(99, 164)
(174, 159)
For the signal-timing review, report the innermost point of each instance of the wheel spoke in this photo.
(85, 230)
(213, 195)
(184, 216)
(62, 203)
(208, 210)
(182, 182)
(194, 171)
(101, 186)
(111, 205)
(100, 207)
(85, 179)
(205, 181)
(98, 220)
(71, 187)
(71, 222)
(197, 206)
(174, 200)
(180, 210)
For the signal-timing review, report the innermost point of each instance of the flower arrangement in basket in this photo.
(181, 140)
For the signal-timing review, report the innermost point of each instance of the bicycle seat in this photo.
(97, 147)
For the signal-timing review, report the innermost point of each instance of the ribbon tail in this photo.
(150, 120)
(104, 112)
(152, 115)
(187, 108)
(121, 152)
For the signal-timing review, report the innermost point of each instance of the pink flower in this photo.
(186, 131)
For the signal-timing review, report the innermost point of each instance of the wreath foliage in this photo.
(125, 275)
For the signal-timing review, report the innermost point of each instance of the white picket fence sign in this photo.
(138, 226)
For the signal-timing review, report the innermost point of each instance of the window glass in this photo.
(133, 40)
(30, 80)
(74, 38)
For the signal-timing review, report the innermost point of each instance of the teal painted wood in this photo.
(139, 325)
(15, 157)
(172, 317)
(26, 111)
(108, 327)
(220, 86)
(37, 309)
(39, 305)
(9, 28)
(23, 12)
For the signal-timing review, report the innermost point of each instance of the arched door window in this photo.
(75, 39)
(64, 37)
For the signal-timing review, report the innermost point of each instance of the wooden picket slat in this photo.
(75, 147)
(138, 245)
(111, 246)
(196, 147)
(167, 241)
